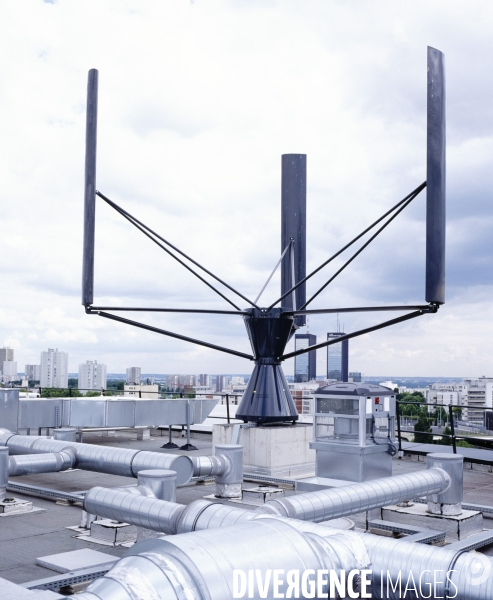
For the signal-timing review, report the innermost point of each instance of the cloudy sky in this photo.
(198, 100)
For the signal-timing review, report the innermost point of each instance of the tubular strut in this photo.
(274, 270)
(432, 308)
(360, 250)
(168, 333)
(144, 228)
(178, 310)
(405, 200)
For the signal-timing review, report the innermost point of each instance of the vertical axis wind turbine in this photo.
(267, 398)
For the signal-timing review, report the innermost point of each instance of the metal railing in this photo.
(451, 417)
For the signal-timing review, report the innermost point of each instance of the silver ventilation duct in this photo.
(114, 461)
(359, 497)
(51, 462)
(200, 566)
(137, 508)
(226, 466)
(171, 518)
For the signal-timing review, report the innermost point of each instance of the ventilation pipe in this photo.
(448, 502)
(51, 462)
(226, 466)
(201, 565)
(171, 518)
(89, 457)
(355, 498)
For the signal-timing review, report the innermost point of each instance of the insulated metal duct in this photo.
(352, 499)
(226, 466)
(114, 461)
(31, 464)
(171, 518)
(126, 507)
(394, 561)
(201, 565)
(137, 508)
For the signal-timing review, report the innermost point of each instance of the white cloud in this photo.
(197, 103)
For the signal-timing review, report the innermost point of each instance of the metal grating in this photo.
(45, 492)
(66, 579)
(426, 538)
(478, 540)
(421, 535)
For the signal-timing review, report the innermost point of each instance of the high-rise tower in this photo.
(305, 365)
(337, 358)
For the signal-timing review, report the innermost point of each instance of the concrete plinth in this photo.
(456, 527)
(143, 433)
(272, 450)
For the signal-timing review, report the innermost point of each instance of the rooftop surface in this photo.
(25, 537)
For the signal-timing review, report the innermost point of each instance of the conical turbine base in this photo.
(267, 398)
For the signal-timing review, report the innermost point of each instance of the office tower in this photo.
(305, 365)
(133, 376)
(32, 372)
(92, 376)
(9, 369)
(6, 355)
(355, 376)
(54, 369)
(337, 358)
(220, 384)
(204, 380)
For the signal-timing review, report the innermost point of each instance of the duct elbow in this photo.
(448, 500)
(230, 476)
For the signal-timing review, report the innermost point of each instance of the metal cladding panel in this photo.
(293, 227)
(40, 413)
(88, 413)
(120, 413)
(435, 179)
(9, 407)
(90, 188)
(65, 416)
(156, 413)
(267, 398)
(202, 408)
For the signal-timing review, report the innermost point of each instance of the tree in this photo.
(73, 382)
(463, 444)
(440, 413)
(58, 392)
(422, 430)
(446, 441)
(116, 384)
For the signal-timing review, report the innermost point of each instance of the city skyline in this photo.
(357, 108)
